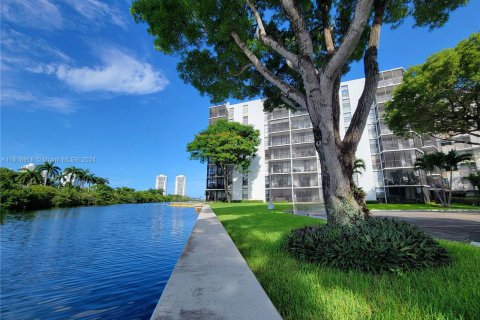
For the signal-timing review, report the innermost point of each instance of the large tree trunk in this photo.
(339, 198)
(337, 156)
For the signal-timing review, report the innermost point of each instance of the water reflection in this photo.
(90, 262)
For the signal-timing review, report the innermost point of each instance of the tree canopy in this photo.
(441, 96)
(293, 54)
(202, 34)
(226, 143)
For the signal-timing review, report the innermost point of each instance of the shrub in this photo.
(16, 198)
(40, 196)
(375, 245)
(67, 197)
(371, 202)
(474, 201)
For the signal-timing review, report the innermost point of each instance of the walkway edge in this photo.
(211, 280)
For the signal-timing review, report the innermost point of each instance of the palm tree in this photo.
(429, 163)
(452, 159)
(50, 170)
(29, 177)
(102, 181)
(82, 175)
(359, 166)
(442, 161)
(71, 173)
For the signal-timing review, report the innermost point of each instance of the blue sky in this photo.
(80, 79)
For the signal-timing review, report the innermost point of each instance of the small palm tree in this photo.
(359, 166)
(429, 163)
(102, 181)
(29, 177)
(442, 161)
(71, 173)
(50, 170)
(452, 159)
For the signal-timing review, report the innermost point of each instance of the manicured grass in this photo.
(305, 291)
(405, 206)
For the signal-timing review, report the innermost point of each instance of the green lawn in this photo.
(305, 291)
(404, 206)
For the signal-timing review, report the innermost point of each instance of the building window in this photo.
(245, 109)
(245, 194)
(245, 119)
(346, 105)
(230, 113)
(245, 180)
(344, 91)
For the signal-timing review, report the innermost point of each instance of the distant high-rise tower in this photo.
(161, 183)
(180, 185)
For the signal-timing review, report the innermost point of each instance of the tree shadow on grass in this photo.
(302, 290)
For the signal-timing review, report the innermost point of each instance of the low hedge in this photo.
(473, 201)
(376, 245)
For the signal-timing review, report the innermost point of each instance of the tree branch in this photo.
(350, 41)
(291, 104)
(324, 8)
(261, 34)
(245, 67)
(359, 119)
(298, 26)
(289, 91)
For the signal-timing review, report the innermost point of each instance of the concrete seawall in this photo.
(212, 280)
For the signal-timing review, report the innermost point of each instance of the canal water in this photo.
(109, 262)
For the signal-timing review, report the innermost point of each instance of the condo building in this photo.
(287, 166)
(161, 183)
(180, 185)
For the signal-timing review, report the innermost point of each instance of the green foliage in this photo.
(375, 245)
(359, 166)
(441, 95)
(199, 32)
(50, 170)
(442, 161)
(68, 197)
(226, 143)
(472, 201)
(17, 194)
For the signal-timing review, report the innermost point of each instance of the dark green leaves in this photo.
(441, 95)
(226, 143)
(199, 32)
(376, 245)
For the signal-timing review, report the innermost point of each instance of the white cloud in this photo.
(42, 14)
(35, 102)
(21, 51)
(98, 12)
(119, 73)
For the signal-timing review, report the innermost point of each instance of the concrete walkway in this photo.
(212, 280)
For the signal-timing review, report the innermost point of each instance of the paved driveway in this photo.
(459, 226)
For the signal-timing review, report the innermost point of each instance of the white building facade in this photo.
(287, 165)
(180, 185)
(161, 183)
